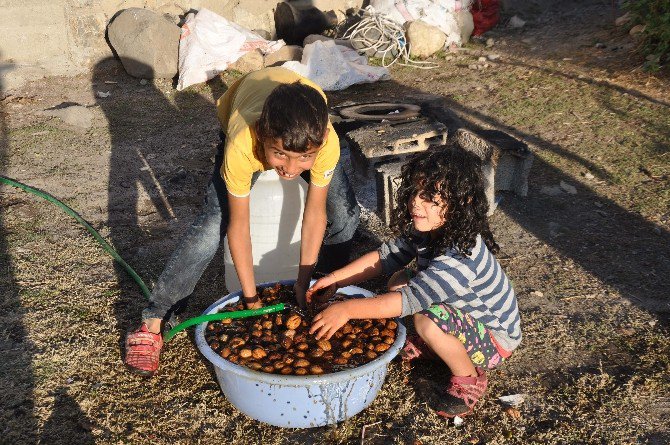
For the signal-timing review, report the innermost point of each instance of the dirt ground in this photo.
(591, 269)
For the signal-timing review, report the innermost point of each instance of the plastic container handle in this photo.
(222, 316)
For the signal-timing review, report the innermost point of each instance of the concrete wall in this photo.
(65, 37)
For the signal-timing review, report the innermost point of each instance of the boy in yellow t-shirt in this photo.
(271, 119)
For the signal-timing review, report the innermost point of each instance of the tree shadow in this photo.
(67, 424)
(160, 152)
(17, 380)
(619, 247)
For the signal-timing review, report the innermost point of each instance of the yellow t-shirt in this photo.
(238, 111)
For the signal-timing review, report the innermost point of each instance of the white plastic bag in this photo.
(335, 67)
(209, 43)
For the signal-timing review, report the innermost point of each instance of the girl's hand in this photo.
(322, 290)
(328, 321)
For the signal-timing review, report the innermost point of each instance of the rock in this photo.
(481, 59)
(588, 175)
(493, 57)
(535, 293)
(147, 43)
(75, 115)
(568, 188)
(424, 40)
(283, 54)
(551, 191)
(600, 45)
(636, 30)
(251, 61)
(490, 42)
(466, 24)
(263, 33)
(516, 22)
(620, 21)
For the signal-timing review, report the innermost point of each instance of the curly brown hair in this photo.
(455, 176)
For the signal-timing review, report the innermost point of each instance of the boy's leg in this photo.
(182, 272)
(194, 251)
(343, 215)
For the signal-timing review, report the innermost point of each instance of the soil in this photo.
(590, 265)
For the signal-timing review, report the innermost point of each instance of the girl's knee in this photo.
(423, 325)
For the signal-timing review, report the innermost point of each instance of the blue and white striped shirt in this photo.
(475, 284)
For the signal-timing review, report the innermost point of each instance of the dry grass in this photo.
(595, 360)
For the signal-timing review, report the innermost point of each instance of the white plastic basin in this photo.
(299, 401)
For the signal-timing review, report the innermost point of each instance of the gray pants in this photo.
(201, 241)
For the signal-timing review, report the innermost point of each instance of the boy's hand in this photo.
(328, 321)
(322, 290)
(299, 291)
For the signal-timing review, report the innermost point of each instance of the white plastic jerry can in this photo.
(275, 218)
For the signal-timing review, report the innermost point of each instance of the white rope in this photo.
(378, 33)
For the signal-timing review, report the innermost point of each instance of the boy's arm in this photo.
(314, 222)
(239, 241)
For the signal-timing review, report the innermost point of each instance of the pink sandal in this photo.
(416, 349)
(462, 394)
(143, 350)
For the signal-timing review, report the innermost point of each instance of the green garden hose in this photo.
(105, 245)
(145, 290)
(224, 315)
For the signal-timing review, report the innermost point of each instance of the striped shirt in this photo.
(475, 284)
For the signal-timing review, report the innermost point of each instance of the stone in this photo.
(568, 188)
(516, 22)
(553, 190)
(283, 54)
(424, 40)
(620, 21)
(493, 57)
(490, 42)
(146, 42)
(636, 30)
(75, 115)
(251, 61)
(267, 35)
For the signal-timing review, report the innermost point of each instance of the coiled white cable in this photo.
(376, 32)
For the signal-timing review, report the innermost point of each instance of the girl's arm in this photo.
(364, 268)
(328, 321)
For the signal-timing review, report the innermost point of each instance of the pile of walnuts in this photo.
(280, 343)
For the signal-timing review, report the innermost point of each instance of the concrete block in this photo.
(386, 142)
(387, 177)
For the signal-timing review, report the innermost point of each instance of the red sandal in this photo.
(462, 394)
(143, 350)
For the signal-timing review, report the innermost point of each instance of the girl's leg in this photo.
(446, 346)
(465, 345)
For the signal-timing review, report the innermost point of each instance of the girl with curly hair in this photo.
(463, 305)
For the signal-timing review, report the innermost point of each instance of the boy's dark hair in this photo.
(455, 175)
(295, 113)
